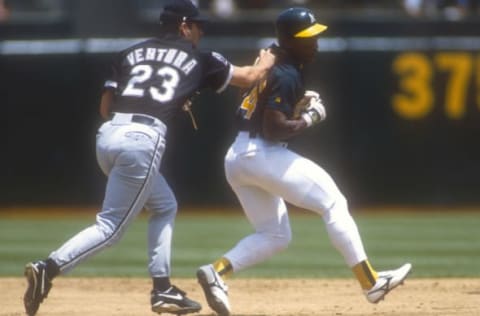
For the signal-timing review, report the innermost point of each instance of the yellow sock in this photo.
(365, 274)
(223, 267)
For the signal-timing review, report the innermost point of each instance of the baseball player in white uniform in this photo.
(264, 173)
(151, 82)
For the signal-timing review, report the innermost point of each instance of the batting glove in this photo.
(312, 94)
(315, 111)
(304, 103)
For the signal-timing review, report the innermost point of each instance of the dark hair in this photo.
(170, 27)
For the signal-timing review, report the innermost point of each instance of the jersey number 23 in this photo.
(142, 73)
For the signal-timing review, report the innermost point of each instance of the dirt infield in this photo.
(253, 297)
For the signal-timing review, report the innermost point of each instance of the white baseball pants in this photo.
(263, 174)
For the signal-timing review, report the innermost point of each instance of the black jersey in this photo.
(157, 76)
(282, 88)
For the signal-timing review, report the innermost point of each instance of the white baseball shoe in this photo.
(216, 291)
(387, 281)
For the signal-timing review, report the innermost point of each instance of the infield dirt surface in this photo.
(252, 297)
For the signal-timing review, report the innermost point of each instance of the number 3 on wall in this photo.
(415, 73)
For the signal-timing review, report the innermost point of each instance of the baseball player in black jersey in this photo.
(264, 174)
(151, 82)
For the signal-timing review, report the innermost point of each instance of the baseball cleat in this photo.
(174, 301)
(216, 291)
(387, 281)
(38, 286)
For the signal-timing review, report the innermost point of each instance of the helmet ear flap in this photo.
(286, 43)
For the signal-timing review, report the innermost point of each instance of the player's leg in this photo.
(265, 211)
(128, 187)
(131, 166)
(268, 215)
(303, 183)
(162, 206)
(162, 209)
(307, 185)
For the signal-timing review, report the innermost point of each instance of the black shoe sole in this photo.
(181, 311)
(31, 307)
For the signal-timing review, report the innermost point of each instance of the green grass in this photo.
(437, 244)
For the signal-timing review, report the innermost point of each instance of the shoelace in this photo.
(174, 288)
(219, 283)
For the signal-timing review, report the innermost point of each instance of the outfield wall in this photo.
(403, 102)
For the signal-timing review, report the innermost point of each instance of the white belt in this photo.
(245, 136)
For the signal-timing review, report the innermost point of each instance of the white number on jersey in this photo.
(142, 73)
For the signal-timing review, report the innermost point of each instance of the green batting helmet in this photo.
(298, 23)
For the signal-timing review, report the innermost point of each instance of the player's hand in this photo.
(304, 102)
(315, 111)
(265, 59)
(311, 94)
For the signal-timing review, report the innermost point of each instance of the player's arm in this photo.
(277, 127)
(246, 76)
(106, 103)
(109, 88)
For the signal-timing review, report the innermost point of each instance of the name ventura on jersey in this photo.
(171, 56)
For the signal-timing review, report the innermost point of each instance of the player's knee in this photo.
(280, 242)
(338, 210)
(166, 209)
(110, 231)
(172, 208)
(341, 202)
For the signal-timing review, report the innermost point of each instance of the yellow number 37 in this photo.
(417, 82)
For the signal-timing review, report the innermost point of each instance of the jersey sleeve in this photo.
(111, 83)
(218, 71)
(281, 93)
